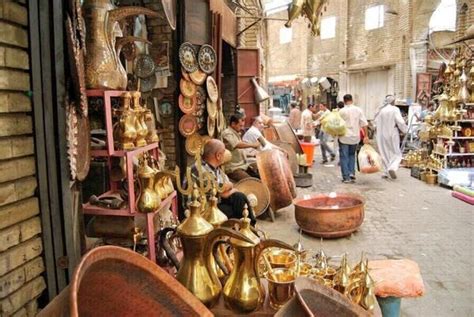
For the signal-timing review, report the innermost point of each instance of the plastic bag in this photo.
(369, 160)
(399, 278)
(333, 124)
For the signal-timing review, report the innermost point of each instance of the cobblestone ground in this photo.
(404, 218)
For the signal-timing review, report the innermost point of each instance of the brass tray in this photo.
(188, 88)
(187, 104)
(198, 77)
(211, 126)
(187, 125)
(194, 144)
(207, 59)
(211, 109)
(212, 90)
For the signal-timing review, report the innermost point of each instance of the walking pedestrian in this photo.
(389, 121)
(355, 120)
(323, 137)
(308, 123)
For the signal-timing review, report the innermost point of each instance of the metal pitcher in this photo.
(103, 68)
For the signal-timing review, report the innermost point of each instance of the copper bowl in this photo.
(329, 215)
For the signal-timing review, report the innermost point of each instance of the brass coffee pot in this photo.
(128, 133)
(148, 201)
(243, 291)
(140, 125)
(102, 66)
(198, 238)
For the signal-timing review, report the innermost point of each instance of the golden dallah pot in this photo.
(243, 291)
(103, 68)
(198, 238)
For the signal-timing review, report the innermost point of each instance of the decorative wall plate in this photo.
(187, 57)
(147, 84)
(144, 66)
(194, 144)
(185, 74)
(201, 95)
(211, 126)
(166, 109)
(187, 104)
(198, 77)
(222, 121)
(211, 109)
(187, 125)
(212, 90)
(188, 89)
(207, 59)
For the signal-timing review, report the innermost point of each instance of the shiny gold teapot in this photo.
(102, 66)
(127, 131)
(140, 125)
(198, 238)
(148, 201)
(243, 291)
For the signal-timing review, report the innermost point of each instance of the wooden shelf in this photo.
(456, 137)
(89, 209)
(453, 154)
(121, 153)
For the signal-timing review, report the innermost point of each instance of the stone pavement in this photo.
(404, 218)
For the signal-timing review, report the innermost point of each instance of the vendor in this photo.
(253, 135)
(239, 167)
(308, 123)
(231, 201)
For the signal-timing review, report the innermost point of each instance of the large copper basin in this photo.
(329, 215)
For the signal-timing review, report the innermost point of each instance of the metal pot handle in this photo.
(165, 244)
(217, 255)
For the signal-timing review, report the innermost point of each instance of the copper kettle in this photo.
(243, 291)
(102, 65)
(198, 238)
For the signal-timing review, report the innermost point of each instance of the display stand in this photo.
(130, 210)
(450, 153)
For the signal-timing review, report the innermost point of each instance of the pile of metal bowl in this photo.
(331, 215)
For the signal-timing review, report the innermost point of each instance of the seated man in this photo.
(231, 201)
(253, 135)
(238, 168)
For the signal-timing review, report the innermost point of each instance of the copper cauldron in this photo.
(329, 215)
(275, 173)
(113, 281)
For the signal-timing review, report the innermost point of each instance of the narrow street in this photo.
(403, 219)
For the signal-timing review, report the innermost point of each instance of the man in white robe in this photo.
(389, 122)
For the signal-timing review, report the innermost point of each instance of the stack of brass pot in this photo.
(243, 291)
(354, 283)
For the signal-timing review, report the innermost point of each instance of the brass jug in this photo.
(442, 113)
(102, 66)
(198, 238)
(243, 291)
(127, 124)
(148, 201)
(151, 136)
(140, 125)
(464, 94)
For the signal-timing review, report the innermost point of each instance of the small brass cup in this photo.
(282, 289)
(280, 258)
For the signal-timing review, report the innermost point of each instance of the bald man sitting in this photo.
(231, 201)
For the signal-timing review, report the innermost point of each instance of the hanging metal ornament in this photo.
(187, 57)
(207, 59)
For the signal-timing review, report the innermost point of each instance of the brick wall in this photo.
(159, 31)
(21, 264)
(401, 43)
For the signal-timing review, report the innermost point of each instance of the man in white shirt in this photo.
(308, 123)
(355, 121)
(254, 135)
